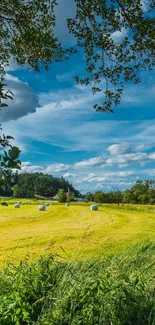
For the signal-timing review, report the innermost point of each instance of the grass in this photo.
(72, 232)
(95, 268)
(118, 290)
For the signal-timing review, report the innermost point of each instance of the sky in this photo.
(54, 124)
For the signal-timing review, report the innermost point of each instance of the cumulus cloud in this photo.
(152, 156)
(97, 161)
(56, 168)
(112, 176)
(128, 158)
(123, 148)
(26, 167)
(24, 101)
(69, 175)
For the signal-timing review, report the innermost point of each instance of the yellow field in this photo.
(72, 232)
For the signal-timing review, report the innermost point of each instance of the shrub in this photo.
(4, 204)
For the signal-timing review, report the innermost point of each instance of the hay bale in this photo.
(47, 204)
(94, 207)
(41, 207)
(17, 205)
(67, 204)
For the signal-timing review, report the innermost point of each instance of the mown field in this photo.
(73, 233)
(71, 266)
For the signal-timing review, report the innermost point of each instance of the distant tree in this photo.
(16, 191)
(89, 197)
(61, 196)
(98, 198)
(72, 197)
(127, 196)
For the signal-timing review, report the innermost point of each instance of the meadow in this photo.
(72, 266)
(72, 233)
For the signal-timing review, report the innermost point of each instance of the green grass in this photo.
(118, 290)
(71, 232)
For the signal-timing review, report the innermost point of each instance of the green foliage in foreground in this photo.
(118, 290)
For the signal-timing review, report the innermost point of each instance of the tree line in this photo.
(142, 192)
(30, 185)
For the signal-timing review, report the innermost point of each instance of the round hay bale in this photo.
(94, 207)
(47, 204)
(42, 208)
(17, 205)
(67, 204)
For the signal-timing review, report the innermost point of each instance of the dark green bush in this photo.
(118, 290)
(4, 204)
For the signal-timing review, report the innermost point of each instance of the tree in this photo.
(27, 37)
(61, 196)
(89, 197)
(8, 154)
(27, 34)
(111, 63)
(16, 191)
(72, 197)
(98, 198)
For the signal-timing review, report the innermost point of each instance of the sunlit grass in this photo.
(72, 232)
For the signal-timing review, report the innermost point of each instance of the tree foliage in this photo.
(142, 192)
(27, 33)
(29, 185)
(110, 63)
(27, 36)
(8, 154)
(62, 196)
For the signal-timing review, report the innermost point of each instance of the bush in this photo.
(118, 290)
(4, 204)
(62, 196)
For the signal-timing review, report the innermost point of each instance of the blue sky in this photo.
(53, 122)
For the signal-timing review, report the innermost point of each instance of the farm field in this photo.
(72, 232)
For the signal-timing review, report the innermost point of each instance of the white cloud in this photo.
(128, 158)
(97, 161)
(118, 36)
(25, 163)
(111, 176)
(149, 172)
(152, 156)
(31, 168)
(56, 168)
(69, 175)
(122, 148)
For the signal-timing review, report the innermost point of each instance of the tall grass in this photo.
(119, 290)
